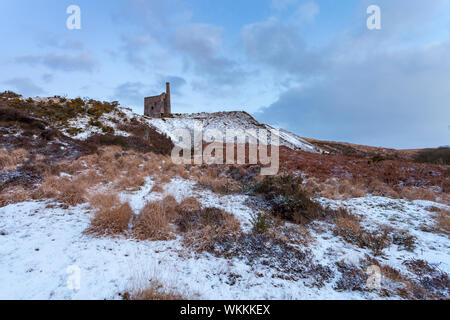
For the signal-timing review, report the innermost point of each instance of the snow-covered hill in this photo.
(236, 120)
(222, 121)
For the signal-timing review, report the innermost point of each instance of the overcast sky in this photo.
(309, 66)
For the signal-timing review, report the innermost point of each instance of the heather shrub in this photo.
(287, 199)
(438, 156)
(157, 142)
(261, 222)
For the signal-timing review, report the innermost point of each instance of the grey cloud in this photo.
(134, 47)
(64, 62)
(163, 34)
(158, 18)
(176, 83)
(279, 46)
(131, 93)
(47, 77)
(24, 86)
(391, 99)
(201, 46)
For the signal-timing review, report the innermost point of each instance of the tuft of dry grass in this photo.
(217, 184)
(13, 195)
(418, 194)
(72, 192)
(10, 160)
(157, 189)
(190, 204)
(378, 188)
(104, 201)
(443, 221)
(133, 181)
(205, 228)
(110, 218)
(339, 189)
(153, 221)
(64, 189)
(348, 225)
(153, 290)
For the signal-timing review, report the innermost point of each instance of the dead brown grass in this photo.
(348, 225)
(104, 200)
(10, 160)
(383, 178)
(153, 291)
(348, 228)
(443, 221)
(110, 218)
(13, 195)
(70, 191)
(218, 184)
(205, 228)
(335, 189)
(418, 194)
(157, 189)
(190, 204)
(153, 221)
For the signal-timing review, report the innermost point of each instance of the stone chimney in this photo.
(168, 108)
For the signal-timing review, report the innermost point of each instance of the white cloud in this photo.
(307, 11)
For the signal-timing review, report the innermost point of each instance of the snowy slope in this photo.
(40, 242)
(236, 120)
(221, 121)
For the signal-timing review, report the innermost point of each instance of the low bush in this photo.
(438, 156)
(13, 115)
(352, 278)
(287, 199)
(261, 222)
(158, 143)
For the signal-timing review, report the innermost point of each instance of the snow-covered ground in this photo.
(41, 244)
(221, 121)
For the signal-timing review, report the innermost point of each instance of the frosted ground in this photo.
(39, 241)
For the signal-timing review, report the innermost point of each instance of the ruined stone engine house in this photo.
(158, 106)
